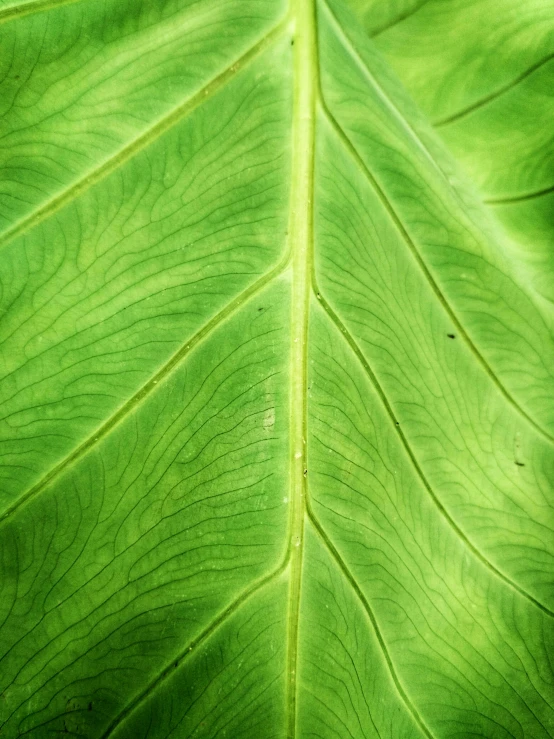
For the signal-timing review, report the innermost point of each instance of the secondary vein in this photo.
(301, 236)
(333, 551)
(187, 650)
(39, 6)
(433, 284)
(144, 140)
(505, 579)
(148, 388)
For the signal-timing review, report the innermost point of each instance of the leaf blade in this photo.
(306, 372)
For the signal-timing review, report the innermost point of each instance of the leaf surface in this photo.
(483, 73)
(277, 424)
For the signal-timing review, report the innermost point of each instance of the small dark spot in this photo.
(305, 473)
(292, 42)
(89, 706)
(520, 464)
(396, 423)
(451, 336)
(176, 664)
(319, 296)
(261, 308)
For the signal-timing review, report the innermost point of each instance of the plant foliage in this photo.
(277, 418)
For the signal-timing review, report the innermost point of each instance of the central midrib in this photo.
(301, 239)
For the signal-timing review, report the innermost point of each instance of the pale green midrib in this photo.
(428, 276)
(20, 11)
(334, 553)
(301, 240)
(188, 650)
(148, 137)
(149, 387)
(333, 316)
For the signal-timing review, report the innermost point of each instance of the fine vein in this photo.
(382, 93)
(301, 237)
(190, 648)
(426, 272)
(371, 616)
(144, 140)
(440, 507)
(149, 387)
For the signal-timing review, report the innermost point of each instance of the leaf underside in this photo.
(277, 425)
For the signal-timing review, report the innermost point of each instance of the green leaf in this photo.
(277, 423)
(483, 71)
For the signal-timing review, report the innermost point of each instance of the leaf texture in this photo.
(483, 73)
(277, 424)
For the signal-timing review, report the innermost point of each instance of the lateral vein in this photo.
(349, 146)
(402, 17)
(493, 95)
(144, 140)
(190, 648)
(371, 616)
(140, 396)
(385, 97)
(419, 471)
(30, 8)
(519, 198)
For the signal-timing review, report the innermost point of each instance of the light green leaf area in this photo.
(277, 419)
(483, 71)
